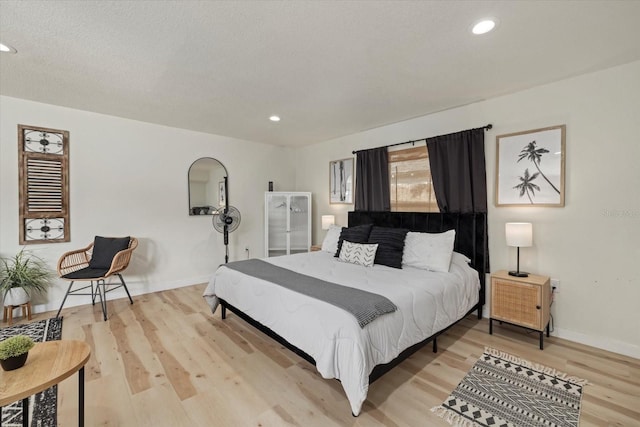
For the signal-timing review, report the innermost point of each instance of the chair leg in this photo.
(93, 294)
(103, 297)
(64, 299)
(125, 287)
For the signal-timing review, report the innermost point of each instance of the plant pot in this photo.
(16, 297)
(14, 362)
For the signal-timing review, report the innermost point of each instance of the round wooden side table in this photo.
(48, 364)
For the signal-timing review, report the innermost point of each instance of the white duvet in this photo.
(427, 303)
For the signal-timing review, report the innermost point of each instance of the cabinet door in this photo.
(518, 303)
(299, 224)
(277, 213)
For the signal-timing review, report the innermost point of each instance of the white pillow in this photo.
(358, 253)
(429, 251)
(460, 258)
(330, 242)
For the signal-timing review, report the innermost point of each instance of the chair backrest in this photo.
(112, 253)
(121, 261)
(114, 262)
(105, 249)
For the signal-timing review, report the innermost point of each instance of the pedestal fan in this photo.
(225, 220)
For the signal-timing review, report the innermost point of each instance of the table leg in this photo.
(81, 397)
(541, 338)
(25, 412)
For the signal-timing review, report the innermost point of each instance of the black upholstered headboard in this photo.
(471, 232)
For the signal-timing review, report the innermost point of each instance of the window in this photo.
(44, 184)
(410, 179)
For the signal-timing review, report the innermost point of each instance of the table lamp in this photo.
(520, 235)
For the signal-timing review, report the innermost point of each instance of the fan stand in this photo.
(226, 220)
(226, 244)
(226, 223)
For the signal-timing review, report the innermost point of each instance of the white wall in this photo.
(592, 244)
(130, 178)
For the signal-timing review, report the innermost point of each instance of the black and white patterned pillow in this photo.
(357, 234)
(357, 253)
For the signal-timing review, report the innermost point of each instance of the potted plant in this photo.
(14, 352)
(22, 275)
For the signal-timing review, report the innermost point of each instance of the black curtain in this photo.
(458, 171)
(372, 180)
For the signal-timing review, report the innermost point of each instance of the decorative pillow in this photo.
(390, 245)
(357, 234)
(105, 249)
(358, 253)
(429, 251)
(330, 242)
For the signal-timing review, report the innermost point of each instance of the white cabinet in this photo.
(287, 223)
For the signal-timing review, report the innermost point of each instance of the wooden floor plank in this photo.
(167, 361)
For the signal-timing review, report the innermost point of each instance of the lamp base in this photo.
(519, 273)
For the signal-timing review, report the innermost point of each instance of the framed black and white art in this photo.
(530, 167)
(222, 201)
(341, 181)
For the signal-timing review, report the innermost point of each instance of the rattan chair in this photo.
(105, 257)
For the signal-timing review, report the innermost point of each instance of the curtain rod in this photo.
(487, 127)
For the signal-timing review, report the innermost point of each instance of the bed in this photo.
(331, 338)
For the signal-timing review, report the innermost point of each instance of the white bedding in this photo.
(427, 303)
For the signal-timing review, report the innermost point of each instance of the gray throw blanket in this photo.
(365, 306)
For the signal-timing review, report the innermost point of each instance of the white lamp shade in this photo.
(328, 221)
(519, 234)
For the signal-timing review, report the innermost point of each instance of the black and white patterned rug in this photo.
(504, 390)
(42, 406)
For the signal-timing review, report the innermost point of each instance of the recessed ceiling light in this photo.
(7, 48)
(274, 118)
(484, 26)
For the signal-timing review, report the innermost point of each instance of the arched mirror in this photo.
(207, 186)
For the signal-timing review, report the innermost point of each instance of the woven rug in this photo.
(504, 390)
(43, 406)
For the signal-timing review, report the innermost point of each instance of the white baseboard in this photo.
(603, 343)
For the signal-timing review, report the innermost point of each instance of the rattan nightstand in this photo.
(521, 301)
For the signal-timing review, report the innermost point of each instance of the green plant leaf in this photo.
(15, 346)
(25, 271)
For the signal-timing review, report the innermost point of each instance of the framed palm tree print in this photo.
(530, 167)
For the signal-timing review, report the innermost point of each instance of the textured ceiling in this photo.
(327, 68)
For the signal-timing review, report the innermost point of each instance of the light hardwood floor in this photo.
(167, 361)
